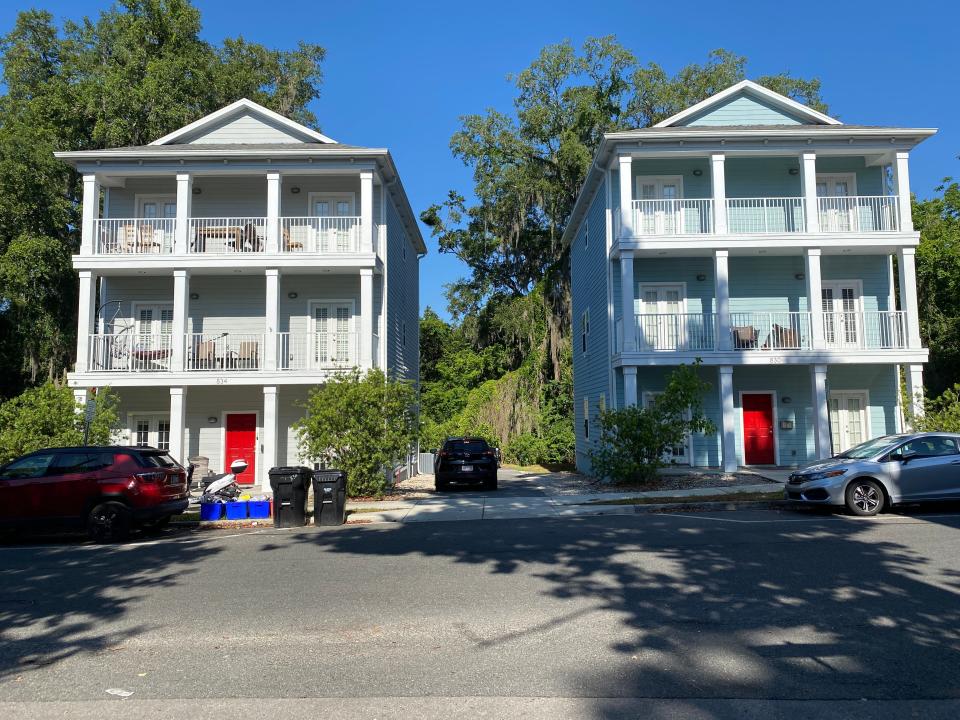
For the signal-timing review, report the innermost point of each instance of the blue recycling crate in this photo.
(258, 509)
(237, 510)
(211, 511)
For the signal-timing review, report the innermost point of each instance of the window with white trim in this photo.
(586, 232)
(603, 402)
(586, 418)
(584, 330)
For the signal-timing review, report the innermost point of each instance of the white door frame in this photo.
(836, 286)
(865, 409)
(159, 198)
(776, 425)
(152, 416)
(312, 322)
(314, 196)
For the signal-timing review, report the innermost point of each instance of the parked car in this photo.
(466, 460)
(109, 489)
(885, 471)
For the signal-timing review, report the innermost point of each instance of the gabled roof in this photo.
(750, 89)
(243, 107)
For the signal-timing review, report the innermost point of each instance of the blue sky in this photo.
(399, 74)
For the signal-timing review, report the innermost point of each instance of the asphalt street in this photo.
(749, 614)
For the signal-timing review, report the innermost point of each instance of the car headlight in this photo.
(826, 474)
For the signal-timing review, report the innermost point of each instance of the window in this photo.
(80, 462)
(929, 447)
(28, 467)
(586, 232)
(403, 333)
(584, 329)
(586, 418)
(603, 402)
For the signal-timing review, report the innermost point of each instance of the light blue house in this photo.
(758, 235)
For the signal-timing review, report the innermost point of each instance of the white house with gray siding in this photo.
(757, 235)
(231, 265)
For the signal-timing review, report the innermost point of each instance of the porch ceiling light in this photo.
(794, 171)
(212, 420)
(799, 276)
(194, 296)
(295, 190)
(701, 277)
(197, 191)
(698, 172)
(292, 295)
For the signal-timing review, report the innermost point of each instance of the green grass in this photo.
(728, 497)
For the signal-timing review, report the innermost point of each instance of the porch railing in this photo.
(318, 351)
(770, 330)
(859, 213)
(320, 234)
(134, 236)
(130, 352)
(870, 330)
(226, 235)
(765, 215)
(675, 331)
(211, 351)
(673, 217)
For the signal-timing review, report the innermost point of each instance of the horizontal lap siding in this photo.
(762, 177)
(880, 381)
(872, 270)
(693, 186)
(403, 301)
(588, 270)
(244, 128)
(869, 179)
(743, 110)
(699, 293)
(796, 446)
(767, 284)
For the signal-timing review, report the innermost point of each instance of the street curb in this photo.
(713, 506)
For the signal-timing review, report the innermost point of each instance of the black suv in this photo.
(466, 460)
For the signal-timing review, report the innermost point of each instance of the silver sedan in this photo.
(885, 471)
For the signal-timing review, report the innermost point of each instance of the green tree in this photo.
(634, 440)
(361, 424)
(48, 416)
(940, 414)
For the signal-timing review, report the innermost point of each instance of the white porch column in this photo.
(366, 318)
(901, 184)
(366, 211)
(629, 386)
(821, 412)
(906, 262)
(178, 414)
(274, 186)
(181, 233)
(728, 436)
(181, 314)
(629, 322)
(85, 318)
(814, 296)
(80, 400)
(808, 178)
(91, 211)
(270, 429)
(271, 319)
(915, 392)
(721, 279)
(626, 196)
(719, 184)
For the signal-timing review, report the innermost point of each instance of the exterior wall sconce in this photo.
(292, 295)
(799, 276)
(794, 171)
(698, 172)
(197, 191)
(786, 400)
(295, 190)
(194, 296)
(701, 277)
(212, 420)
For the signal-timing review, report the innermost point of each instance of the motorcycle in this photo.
(225, 489)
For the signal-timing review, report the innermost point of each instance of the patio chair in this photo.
(149, 239)
(126, 240)
(248, 356)
(744, 337)
(205, 355)
(291, 244)
(781, 338)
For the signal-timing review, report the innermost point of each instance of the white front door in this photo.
(151, 430)
(333, 337)
(157, 235)
(842, 326)
(153, 325)
(335, 229)
(661, 317)
(848, 419)
(659, 211)
(837, 210)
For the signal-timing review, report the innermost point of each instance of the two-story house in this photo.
(231, 265)
(762, 237)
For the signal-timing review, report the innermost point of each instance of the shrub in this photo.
(634, 440)
(525, 449)
(941, 414)
(48, 416)
(360, 424)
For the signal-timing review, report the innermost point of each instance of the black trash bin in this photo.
(290, 485)
(329, 497)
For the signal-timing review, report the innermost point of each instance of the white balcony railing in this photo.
(859, 213)
(130, 352)
(673, 217)
(770, 330)
(318, 351)
(873, 330)
(320, 234)
(225, 235)
(675, 331)
(224, 351)
(765, 215)
(134, 236)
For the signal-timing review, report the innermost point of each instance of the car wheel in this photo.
(108, 522)
(865, 497)
(440, 485)
(491, 483)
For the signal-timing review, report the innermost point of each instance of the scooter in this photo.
(225, 488)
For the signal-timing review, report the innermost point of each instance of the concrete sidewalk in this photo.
(462, 507)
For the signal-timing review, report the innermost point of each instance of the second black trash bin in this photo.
(329, 497)
(290, 485)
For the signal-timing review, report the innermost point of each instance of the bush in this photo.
(48, 416)
(634, 440)
(361, 424)
(941, 414)
(525, 449)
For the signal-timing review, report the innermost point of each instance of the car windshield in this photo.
(877, 446)
(471, 445)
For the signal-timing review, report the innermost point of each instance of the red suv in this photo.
(111, 489)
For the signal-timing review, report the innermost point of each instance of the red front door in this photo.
(241, 444)
(758, 429)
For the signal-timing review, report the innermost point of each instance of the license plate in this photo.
(466, 468)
